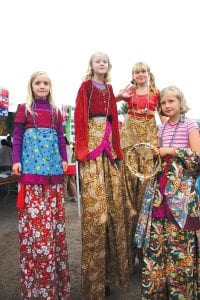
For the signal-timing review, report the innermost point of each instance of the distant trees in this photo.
(123, 108)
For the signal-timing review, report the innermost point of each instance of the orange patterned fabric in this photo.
(104, 250)
(135, 130)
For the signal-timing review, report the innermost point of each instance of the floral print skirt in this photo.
(43, 249)
(135, 130)
(104, 253)
(171, 267)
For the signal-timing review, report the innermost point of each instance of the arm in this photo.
(61, 142)
(194, 144)
(194, 140)
(126, 93)
(115, 126)
(19, 127)
(163, 151)
(81, 124)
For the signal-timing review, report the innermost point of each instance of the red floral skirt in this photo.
(43, 249)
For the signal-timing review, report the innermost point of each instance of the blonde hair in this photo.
(90, 72)
(173, 90)
(141, 66)
(30, 96)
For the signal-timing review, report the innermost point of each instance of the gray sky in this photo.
(59, 36)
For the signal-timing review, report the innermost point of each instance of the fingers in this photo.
(155, 150)
(17, 169)
(65, 166)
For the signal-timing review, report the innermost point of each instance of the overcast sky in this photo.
(59, 36)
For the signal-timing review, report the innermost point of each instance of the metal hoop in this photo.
(135, 172)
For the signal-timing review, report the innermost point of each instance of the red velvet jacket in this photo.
(96, 109)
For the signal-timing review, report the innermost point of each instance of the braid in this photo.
(152, 86)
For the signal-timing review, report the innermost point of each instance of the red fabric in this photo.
(43, 116)
(81, 124)
(42, 240)
(140, 101)
(71, 170)
(21, 196)
(81, 119)
(163, 180)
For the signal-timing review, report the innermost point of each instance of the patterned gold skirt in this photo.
(104, 252)
(135, 130)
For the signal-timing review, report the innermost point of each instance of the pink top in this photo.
(181, 137)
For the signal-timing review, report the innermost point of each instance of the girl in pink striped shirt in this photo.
(169, 225)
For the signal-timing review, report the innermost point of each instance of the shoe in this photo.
(107, 290)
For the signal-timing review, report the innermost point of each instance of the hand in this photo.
(163, 151)
(155, 150)
(17, 168)
(127, 92)
(167, 151)
(64, 166)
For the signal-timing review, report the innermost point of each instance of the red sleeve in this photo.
(81, 124)
(20, 116)
(115, 126)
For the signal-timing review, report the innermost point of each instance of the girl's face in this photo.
(170, 105)
(100, 64)
(41, 87)
(141, 76)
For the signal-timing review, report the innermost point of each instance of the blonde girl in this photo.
(139, 126)
(169, 225)
(97, 148)
(40, 159)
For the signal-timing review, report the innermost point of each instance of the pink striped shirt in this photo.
(180, 138)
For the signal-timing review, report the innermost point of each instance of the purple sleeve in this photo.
(62, 143)
(17, 142)
(61, 138)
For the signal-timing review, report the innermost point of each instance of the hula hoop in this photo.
(135, 172)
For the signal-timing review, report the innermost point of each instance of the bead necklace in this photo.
(145, 110)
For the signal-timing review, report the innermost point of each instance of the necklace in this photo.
(173, 134)
(141, 111)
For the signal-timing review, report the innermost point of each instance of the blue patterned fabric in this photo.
(198, 186)
(40, 153)
(180, 193)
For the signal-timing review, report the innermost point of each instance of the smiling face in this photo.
(41, 87)
(140, 76)
(100, 64)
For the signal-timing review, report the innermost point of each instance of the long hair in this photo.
(90, 71)
(173, 90)
(30, 96)
(141, 66)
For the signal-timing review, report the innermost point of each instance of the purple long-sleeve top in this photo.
(43, 117)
